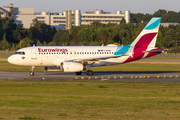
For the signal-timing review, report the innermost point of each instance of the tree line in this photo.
(14, 36)
(166, 16)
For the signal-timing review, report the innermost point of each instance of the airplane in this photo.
(81, 58)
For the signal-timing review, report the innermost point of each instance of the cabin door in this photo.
(33, 53)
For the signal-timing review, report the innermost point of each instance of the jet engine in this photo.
(72, 67)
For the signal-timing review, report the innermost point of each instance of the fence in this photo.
(7, 51)
(168, 55)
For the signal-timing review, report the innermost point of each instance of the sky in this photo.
(135, 6)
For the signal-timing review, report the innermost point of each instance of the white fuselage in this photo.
(54, 55)
(80, 58)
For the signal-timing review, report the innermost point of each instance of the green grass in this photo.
(89, 100)
(5, 55)
(5, 66)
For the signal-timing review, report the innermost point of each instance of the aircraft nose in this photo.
(10, 59)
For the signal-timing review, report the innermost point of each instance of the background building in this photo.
(20, 15)
(7, 11)
(168, 24)
(104, 17)
(61, 20)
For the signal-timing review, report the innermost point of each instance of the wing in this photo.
(86, 60)
(94, 58)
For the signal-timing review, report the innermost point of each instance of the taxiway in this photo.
(172, 77)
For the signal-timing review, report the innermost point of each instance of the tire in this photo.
(90, 72)
(31, 73)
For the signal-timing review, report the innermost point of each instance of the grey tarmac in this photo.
(171, 77)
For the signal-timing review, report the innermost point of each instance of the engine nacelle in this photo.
(72, 67)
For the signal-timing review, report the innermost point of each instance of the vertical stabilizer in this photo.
(146, 40)
(148, 36)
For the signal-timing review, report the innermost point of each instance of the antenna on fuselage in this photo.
(34, 45)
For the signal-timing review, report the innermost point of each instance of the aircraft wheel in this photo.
(31, 73)
(78, 73)
(90, 72)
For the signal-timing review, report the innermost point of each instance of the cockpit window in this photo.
(20, 53)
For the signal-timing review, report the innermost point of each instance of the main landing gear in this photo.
(89, 72)
(32, 71)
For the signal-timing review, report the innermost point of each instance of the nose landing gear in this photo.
(32, 71)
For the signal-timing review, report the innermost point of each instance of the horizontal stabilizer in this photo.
(154, 51)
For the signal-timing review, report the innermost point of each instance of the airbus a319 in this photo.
(82, 58)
